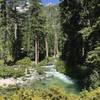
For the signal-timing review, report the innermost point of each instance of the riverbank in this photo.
(44, 73)
(48, 78)
(28, 77)
(43, 85)
(52, 93)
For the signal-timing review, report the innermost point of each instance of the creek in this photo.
(55, 78)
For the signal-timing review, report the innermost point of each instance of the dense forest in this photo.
(64, 37)
(28, 30)
(81, 23)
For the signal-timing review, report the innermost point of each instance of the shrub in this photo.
(60, 66)
(19, 72)
(39, 67)
(6, 72)
(46, 61)
(1, 62)
(52, 93)
(40, 70)
(42, 63)
(90, 95)
(26, 61)
(93, 63)
(2, 98)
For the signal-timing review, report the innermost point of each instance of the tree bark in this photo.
(38, 48)
(36, 51)
(46, 46)
(56, 45)
(14, 51)
(15, 31)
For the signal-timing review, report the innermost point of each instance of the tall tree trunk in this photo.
(4, 12)
(14, 51)
(15, 31)
(5, 48)
(56, 45)
(46, 46)
(36, 50)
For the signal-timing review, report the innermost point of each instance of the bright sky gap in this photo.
(46, 2)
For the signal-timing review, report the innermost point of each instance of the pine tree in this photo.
(81, 24)
(36, 25)
(71, 22)
(4, 28)
(15, 29)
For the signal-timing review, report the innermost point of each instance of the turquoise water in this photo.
(57, 79)
(44, 84)
(53, 79)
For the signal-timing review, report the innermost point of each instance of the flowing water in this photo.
(56, 78)
(53, 78)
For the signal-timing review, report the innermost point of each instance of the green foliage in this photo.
(80, 21)
(94, 79)
(86, 32)
(53, 93)
(52, 28)
(93, 62)
(40, 70)
(27, 94)
(17, 70)
(25, 61)
(7, 72)
(1, 62)
(45, 61)
(93, 58)
(37, 30)
(60, 66)
(40, 65)
(90, 95)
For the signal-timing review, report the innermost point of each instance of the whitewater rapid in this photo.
(54, 73)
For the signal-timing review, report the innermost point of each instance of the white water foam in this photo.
(53, 72)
